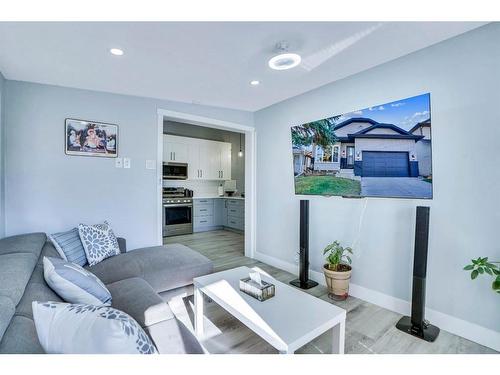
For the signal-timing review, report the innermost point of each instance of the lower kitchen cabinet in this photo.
(235, 213)
(217, 213)
(207, 214)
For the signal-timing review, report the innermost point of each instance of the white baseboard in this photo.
(275, 262)
(463, 328)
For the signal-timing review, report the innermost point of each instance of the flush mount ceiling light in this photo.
(255, 83)
(284, 60)
(116, 51)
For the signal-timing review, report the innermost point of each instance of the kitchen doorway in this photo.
(240, 209)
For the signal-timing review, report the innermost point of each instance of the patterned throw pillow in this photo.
(99, 242)
(69, 246)
(74, 284)
(64, 328)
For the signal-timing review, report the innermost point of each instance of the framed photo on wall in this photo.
(91, 138)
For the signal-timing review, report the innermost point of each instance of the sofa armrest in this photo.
(122, 244)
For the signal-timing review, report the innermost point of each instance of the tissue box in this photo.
(260, 292)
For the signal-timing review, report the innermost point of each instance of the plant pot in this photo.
(338, 281)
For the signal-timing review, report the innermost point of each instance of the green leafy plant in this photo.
(337, 256)
(481, 266)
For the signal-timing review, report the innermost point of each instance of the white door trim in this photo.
(250, 169)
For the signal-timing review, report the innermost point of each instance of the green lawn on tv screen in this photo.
(326, 185)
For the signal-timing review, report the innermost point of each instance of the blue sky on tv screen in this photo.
(404, 113)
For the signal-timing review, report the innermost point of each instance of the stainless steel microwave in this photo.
(175, 171)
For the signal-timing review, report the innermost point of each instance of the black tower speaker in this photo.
(303, 281)
(417, 325)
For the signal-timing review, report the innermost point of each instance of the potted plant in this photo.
(337, 270)
(481, 266)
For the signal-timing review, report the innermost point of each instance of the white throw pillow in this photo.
(64, 328)
(99, 242)
(73, 283)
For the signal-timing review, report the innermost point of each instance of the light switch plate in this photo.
(150, 164)
(118, 162)
(126, 162)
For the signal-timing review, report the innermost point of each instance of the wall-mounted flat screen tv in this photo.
(380, 151)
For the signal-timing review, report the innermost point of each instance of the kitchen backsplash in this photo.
(200, 188)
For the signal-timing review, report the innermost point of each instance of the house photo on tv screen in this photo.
(380, 151)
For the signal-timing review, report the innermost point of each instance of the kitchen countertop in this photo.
(216, 196)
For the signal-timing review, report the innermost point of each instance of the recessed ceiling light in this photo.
(116, 51)
(255, 82)
(284, 61)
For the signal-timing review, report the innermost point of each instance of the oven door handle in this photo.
(178, 205)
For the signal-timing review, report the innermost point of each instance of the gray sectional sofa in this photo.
(139, 282)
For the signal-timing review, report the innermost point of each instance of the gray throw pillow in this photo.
(64, 328)
(99, 242)
(73, 283)
(69, 246)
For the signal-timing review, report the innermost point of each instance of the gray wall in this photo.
(49, 191)
(463, 77)
(2, 157)
(237, 163)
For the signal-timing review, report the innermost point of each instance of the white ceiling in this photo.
(207, 63)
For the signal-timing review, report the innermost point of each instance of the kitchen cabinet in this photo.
(207, 214)
(218, 213)
(175, 150)
(224, 161)
(207, 160)
(235, 213)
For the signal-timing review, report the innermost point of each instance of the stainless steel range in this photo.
(177, 211)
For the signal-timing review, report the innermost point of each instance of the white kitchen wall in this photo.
(463, 76)
(49, 191)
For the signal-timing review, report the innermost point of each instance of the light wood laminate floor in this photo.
(369, 328)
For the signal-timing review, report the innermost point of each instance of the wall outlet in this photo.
(126, 162)
(118, 162)
(150, 164)
(297, 258)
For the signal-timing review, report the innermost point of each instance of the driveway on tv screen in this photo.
(404, 187)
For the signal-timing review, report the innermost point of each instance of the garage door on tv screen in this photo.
(380, 151)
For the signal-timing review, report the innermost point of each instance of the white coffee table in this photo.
(289, 320)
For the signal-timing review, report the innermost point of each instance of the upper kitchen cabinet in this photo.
(207, 160)
(175, 149)
(224, 166)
